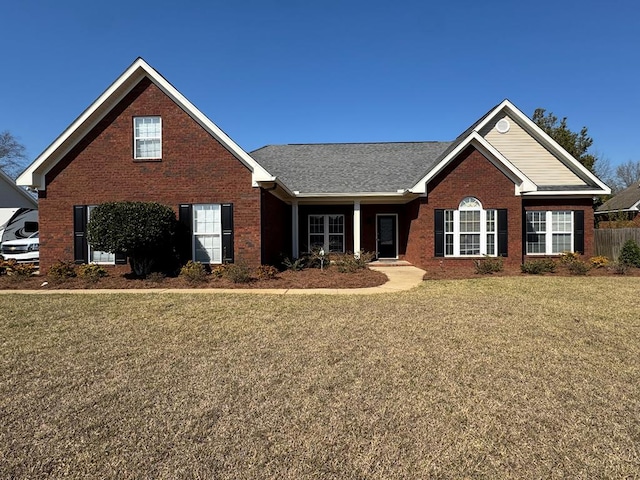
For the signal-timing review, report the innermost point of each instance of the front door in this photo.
(387, 236)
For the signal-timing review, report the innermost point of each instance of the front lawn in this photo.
(493, 377)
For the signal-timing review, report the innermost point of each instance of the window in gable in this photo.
(147, 138)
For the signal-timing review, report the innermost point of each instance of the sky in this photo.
(295, 71)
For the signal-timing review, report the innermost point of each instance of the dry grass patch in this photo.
(494, 377)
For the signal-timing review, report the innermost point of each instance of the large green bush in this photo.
(630, 254)
(141, 230)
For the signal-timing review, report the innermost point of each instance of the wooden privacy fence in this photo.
(609, 241)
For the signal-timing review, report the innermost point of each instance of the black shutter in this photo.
(439, 233)
(503, 233)
(578, 231)
(227, 233)
(185, 233)
(80, 248)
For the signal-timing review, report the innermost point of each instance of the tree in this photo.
(576, 144)
(12, 155)
(142, 230)
(628, 173)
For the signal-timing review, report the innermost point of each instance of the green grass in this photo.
(493, 378)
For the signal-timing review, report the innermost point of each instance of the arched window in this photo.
(470, 230)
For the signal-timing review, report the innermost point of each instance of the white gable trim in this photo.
(522, 183)
(34, 175)
(535, 131)
(29, 200)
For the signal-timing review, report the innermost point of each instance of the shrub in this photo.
(599, 261)
(91, 272)
(630, 254)
(218, 270)
(238, 272)
(266, 272)
(193, 272)
(141, 230)
(567, 258)
(537, 267)
(488, 265)
(618, 268)
(61, 270)
(21, 271)
(349, 263)
(294, 265)
(578, 267)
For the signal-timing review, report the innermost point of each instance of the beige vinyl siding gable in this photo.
(528, 155)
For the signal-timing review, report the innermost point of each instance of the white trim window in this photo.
(549, 232)
(470, 231)
(147, 138)
(327, 232)
(98, 256)
(207, 233)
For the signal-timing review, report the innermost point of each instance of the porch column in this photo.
(295, 245)
(356, 228)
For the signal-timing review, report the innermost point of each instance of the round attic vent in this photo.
(503, 125)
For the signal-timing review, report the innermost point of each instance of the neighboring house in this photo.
(623, 208)
(502, 188)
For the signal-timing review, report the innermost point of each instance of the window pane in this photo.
(448, 222)
(206, 219)
(491, 220)
(561, 242)
(316, 241)
(147, 133)
(448, 244)
(491, 243)
(336, 243)
(469, 244)
(470, 203)
(561, 222)
(316, 224)
(470, 221)
(535, 243)
(336, 224)
(208, 248)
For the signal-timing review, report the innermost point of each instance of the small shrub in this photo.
(156, 277)
(294, 265)
(538, 267)
(238, 272)
(91, 272)
(630, 254)
(193, 272)
(349, 263)
(62, 270)
(219, 270)
(266, 272)
(567, 258)
(21, 271)
(488, 265)
(578, 267)
(599, 261)
(618, 268)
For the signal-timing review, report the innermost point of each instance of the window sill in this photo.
(143, 160)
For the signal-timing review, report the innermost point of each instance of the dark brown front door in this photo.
(387, 234)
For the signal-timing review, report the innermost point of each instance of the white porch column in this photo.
(295, 244)
(356, 228)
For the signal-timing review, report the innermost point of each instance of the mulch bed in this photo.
(308, 278)
(459, 273)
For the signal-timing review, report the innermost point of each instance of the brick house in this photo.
(502, 188)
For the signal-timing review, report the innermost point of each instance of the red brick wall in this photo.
(470, 175)
(276, 229)
(585, 204)
(195, 168)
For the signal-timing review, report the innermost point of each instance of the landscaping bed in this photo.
(307, 278)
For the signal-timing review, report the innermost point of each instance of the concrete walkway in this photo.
(400, 278)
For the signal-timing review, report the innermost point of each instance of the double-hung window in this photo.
(147, 138)
(470, 230)
(207, 233)
(550, 232)
(327, 232)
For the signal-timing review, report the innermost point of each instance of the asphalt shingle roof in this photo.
(350, 167)
(624, 200)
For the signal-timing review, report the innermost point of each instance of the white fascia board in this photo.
(351, 195)
(34, 175)
(543, 138)
(635, 206)
(21, 191)
(522, 183)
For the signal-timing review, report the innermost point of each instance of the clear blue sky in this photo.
(295, 71)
